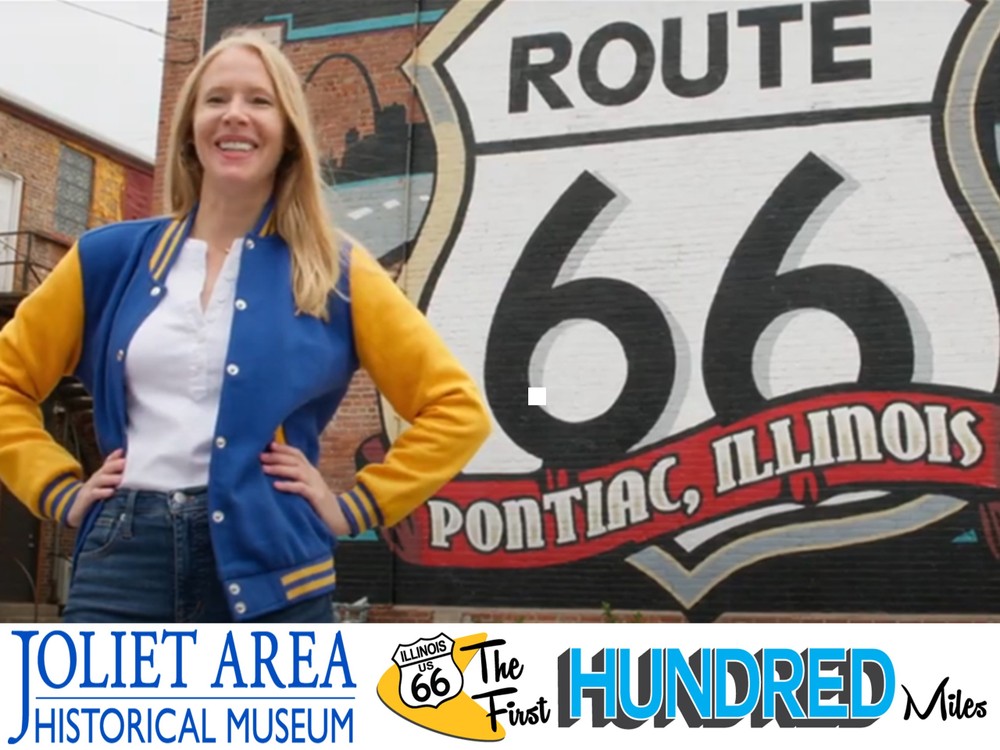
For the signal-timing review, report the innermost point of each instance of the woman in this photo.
(217, 345)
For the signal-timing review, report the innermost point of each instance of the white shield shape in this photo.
(428, 674)
(671, 256)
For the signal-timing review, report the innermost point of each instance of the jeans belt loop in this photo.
(129, 514)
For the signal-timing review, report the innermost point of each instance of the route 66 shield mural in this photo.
(750, 253)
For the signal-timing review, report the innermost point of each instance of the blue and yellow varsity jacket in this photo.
(293, 370)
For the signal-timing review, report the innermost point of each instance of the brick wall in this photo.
(185, 20)
(25, 149)
(30, 147)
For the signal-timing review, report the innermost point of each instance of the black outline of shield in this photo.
(450, 655)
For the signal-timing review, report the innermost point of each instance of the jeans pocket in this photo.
(106, 529)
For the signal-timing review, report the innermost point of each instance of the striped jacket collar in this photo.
(178, 229)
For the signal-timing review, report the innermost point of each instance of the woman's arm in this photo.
(38, 347)
(426, 385)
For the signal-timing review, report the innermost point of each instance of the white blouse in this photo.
(173, 372)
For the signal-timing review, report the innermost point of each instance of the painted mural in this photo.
(748, 250)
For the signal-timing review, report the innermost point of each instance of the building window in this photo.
(76, 179)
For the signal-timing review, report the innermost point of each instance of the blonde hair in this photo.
(300, 214)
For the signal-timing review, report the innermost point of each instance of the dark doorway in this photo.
(19, 533)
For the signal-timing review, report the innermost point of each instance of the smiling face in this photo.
(238, 125)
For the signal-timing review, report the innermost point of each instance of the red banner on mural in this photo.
(802, 451)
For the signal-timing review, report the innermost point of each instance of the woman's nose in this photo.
(236, 111)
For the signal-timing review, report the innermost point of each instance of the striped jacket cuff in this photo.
(59, 496)
(309, 579)
(360, 509)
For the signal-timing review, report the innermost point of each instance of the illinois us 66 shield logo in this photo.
(428, 674)
(427, 686)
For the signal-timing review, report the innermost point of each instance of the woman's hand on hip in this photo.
(296, 476)
(101, 485)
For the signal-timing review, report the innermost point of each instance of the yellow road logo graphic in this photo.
(425, 686)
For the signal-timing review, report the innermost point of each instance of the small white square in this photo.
(536, 397)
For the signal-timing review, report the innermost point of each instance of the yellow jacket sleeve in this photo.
(40, 345)
(413, 368)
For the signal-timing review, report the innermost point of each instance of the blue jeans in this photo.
(148, 558)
